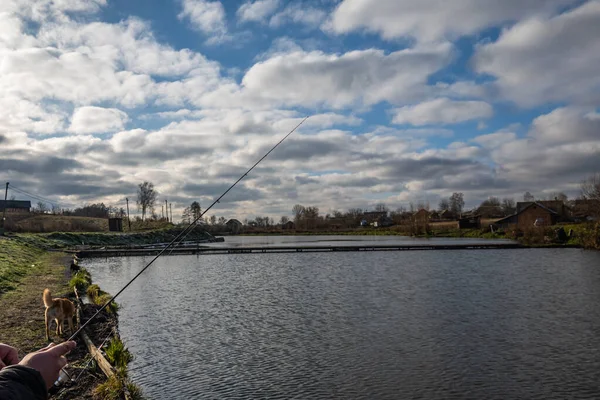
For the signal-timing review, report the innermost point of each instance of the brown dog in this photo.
(57, 309)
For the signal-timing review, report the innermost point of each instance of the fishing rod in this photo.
(182, 233)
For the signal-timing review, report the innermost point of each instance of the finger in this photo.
(51, 345)
(12, 357)
(62, 349)
(62, 362)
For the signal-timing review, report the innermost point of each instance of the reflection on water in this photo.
(493, 324)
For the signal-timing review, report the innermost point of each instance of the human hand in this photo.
(49, 360)
(8, 355)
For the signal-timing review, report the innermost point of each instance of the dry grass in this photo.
(22, 309)
(56, 223)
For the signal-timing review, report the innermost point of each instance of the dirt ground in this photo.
(22, 316)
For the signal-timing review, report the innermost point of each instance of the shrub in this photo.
(114, 389)
(117, 354)
(81, 280)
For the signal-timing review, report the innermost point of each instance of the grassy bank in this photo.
(61, 240)
(25, 271)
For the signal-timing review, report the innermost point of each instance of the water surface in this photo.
(474, 324)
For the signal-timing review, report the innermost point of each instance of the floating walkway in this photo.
(293, 249)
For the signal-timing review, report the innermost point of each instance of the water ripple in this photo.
(413, 325)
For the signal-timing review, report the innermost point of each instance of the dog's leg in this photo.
(47, 325)
(58, 327)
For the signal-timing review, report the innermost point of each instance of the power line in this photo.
(39, 197)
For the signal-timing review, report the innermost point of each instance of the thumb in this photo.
(62, 349)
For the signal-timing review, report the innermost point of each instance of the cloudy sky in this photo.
(408, 101)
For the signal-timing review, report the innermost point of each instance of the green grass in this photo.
(81, 280)
(61, 240)
(100, 297)
(117, 354)
(15, 261)
(114, 389)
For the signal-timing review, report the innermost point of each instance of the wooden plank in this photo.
(100, 360)
(290, 249)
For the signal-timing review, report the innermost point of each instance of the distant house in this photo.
(490, 212)
(288, 225)
(434, 215)
(421, 216)
(447, 215)
(234, 226)
(15, 206)
(470, 222)
(558, 206)
(534, 214)
(383, 222)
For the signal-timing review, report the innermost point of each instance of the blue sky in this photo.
(409, 102)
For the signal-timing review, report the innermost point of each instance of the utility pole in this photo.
(167, 209)
(4, 210)
(162, 211)
(170, 204)
(128, 219)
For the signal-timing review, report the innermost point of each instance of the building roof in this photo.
(233, 221)
(15, 204)
(505, 219)
(554, 205)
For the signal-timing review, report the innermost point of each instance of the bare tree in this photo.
(444, 204)
(528, 197)
(186, 216)
(381, 207)
(195, 210)
(222, 220)
(42, 207)
(298, 211)
(284, 219)
(508, 206)
(311, 215)
(213, 219)
(146, 197)
(590, 187)
(457, 203)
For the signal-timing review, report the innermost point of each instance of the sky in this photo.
(407, 101)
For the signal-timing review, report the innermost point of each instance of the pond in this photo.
(472, 324)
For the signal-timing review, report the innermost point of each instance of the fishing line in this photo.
(182, 233)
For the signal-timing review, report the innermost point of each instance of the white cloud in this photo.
(97, 120)
(207, 17)
(542, 60)
(495, 140)
(442, 111)
(129, 43)
(299, 13)
(50, 10)
(434, 19)
(560, 149)
(257, 11)
(367, 76)
(20, 114)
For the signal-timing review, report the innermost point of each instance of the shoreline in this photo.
(25, 271)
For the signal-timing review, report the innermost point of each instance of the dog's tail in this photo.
(47, 298)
